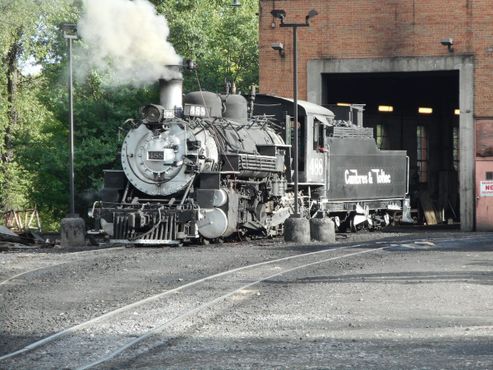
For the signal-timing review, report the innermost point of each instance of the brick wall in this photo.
(375, 29)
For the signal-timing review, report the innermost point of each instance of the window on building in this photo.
(381, 136)
(422, 153)
(455, 147)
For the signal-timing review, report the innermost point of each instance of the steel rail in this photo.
(110, 314)
(389, 244)
(213, 302)
(117, 248)
(223, 297)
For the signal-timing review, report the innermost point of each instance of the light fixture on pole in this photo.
(280, 48)
(281, 15)
(70, 34)
(235, 3)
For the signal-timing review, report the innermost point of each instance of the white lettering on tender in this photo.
(352, 178)
(378, 176)
(382, 177)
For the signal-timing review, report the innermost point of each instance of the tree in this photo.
(26, 39)
(98, 115)
(222, 39)
(33, 107)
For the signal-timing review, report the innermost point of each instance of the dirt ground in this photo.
(419, 300)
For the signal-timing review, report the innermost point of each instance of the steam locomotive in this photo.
(213, 167)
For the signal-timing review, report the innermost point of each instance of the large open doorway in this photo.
(417, 112)
(463, 64)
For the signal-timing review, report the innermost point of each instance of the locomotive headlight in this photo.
(152, 113)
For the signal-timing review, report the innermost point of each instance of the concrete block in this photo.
(73, 232)
(323, 230)
(297, 230)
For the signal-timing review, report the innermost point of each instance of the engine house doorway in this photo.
(417, 112)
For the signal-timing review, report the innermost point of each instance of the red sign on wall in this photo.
(486, 188)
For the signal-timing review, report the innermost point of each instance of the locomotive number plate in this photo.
(155, 155)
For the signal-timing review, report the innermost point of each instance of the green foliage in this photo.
(34, 115)
(223, 40)
(98, 116)
(28, 36)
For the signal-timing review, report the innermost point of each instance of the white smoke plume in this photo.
(127, 40)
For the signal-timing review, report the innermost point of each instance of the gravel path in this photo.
(430, 307)
(85, 285)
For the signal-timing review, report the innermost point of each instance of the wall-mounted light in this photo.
(343, 104)
(279, 47)
(425, 110)
(385, 108)
(279, 13)
(448, 42)
(457, 112)
(312, 13)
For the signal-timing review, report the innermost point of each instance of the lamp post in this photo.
(72, 233)
(70, 34)
(281, 14)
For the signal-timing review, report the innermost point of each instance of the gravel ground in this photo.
(414, 306)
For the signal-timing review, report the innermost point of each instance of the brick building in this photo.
(422, 94)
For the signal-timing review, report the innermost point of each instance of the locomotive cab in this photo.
(313, 120)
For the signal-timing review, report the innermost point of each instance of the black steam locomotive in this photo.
(214, 166)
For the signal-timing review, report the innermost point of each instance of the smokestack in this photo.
(170, 93)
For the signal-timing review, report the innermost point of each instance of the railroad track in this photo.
(108, 336)
(98, 340)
